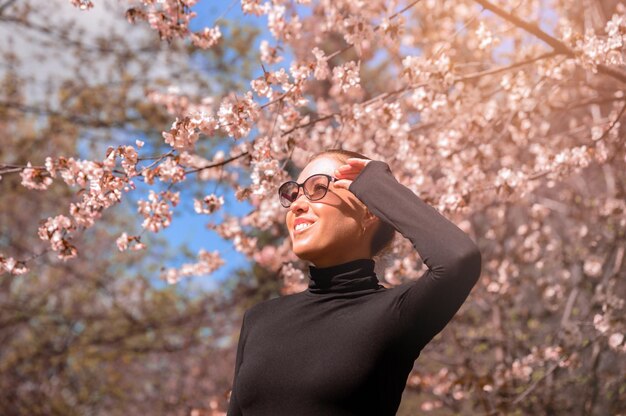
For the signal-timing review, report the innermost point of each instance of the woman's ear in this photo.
(369, 218)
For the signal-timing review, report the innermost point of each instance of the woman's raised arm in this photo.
(426, 305)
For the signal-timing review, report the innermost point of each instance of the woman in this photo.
(346, 345)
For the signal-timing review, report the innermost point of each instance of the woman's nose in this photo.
(300, 203)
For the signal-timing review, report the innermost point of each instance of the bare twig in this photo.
(534, 385)
(213, 165)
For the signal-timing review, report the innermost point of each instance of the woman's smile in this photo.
(298, 230)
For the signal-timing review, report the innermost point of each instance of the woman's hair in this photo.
(384, 235)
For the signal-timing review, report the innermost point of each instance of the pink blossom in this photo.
(237, 115)
(207, 38)
(156, 211)
(321, 64)
(230, 229)
(55, 230)
(294, 280)
(182, 134)
(485, 37)
(346, 76)
(124, 240)
(600, 322)
(209, 204)
(207, 263)
(269, 54)
(358, 32)
(170, 170)
(280, 27)
(34, 178)
(615, 340)
(12, 266)
(254, 7)
(82, 4)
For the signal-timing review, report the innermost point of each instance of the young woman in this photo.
(346, 345)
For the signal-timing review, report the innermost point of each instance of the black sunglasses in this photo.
(315, 188)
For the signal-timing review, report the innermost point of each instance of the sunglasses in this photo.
(315, 188)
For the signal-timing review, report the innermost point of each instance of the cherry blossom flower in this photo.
(82, 4)
(55, 230)
(207, 38)
(294, 280)
(346, 76)
(207, 263)
(269, 54)
(156, 211)
(34, 178)
(321, 65)
(230, 229)
(236, 116)
(392, 29)
(262, 85)
(280, 28)
(615, 340)
(601, 323)
(254, 7)
(124, 241)
(209, 204)
(593, 266)
(358, 32)
(170, 171)
(485, 37)
(182, 134)
(12, 266)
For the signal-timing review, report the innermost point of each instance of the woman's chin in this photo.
(303, 251)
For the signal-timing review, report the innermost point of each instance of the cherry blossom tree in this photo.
(504, 115)
(96, 335)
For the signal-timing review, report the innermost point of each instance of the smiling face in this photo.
(336, 234)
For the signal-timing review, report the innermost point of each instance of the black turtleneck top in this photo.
(346, 345)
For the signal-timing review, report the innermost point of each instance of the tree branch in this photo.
(558, 45)
(214, 165)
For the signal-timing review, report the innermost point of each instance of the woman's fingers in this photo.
(352, 169)
(357, 161)
(343, 183)
(349, 171)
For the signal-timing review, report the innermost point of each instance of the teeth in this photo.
(302, 226)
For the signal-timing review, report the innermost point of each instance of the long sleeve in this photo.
(426, 305)
(234, 408)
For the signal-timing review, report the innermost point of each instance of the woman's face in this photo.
(336, 235)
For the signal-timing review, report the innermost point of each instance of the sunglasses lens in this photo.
(288, 193)
(316, 187)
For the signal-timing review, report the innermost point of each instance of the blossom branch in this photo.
(393, 16)
(558, 45)
(217, 164)
(387, 94)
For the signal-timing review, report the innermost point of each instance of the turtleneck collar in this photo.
(352, 276)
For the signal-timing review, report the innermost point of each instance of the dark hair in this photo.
(384, 235)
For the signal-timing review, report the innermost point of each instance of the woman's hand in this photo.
(348, 172)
